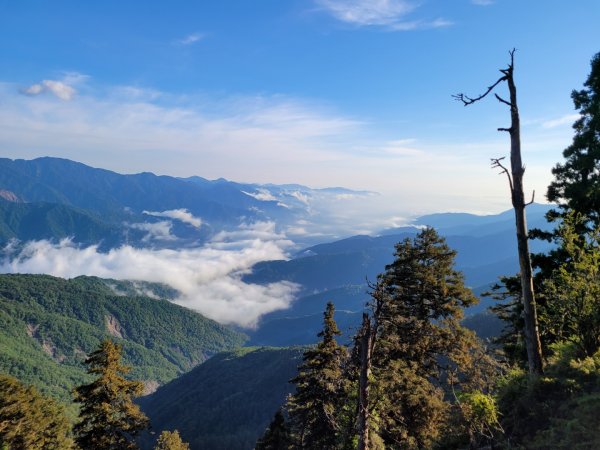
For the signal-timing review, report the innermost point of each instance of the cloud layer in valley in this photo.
(209, 278)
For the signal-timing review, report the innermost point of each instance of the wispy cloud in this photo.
(262, 194)
(483, 2)
(182, 215)
(191, 38)
(271, 139)
(208, 278)
(157, 231)
(560, 121)
(58, 88)
(390, 14)
(63, 89)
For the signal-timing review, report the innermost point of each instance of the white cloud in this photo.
(209, 278)
(390, 14)
(303, 198)
(483, 2)
(191, 38)
(58, 88)
(182, 215)
(159, 231)
(262, 194)
(564, 120)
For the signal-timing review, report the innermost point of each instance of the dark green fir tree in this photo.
(421, 350)
(277, 436)
(313, 408)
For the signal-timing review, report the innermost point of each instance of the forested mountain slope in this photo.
(228, 401)
(49, 325)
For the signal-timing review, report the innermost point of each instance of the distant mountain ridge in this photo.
(114, 202)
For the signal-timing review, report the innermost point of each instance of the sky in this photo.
(348, 93)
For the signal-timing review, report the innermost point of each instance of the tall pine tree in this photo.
(576, 185)
(109, 418)
(314, 407)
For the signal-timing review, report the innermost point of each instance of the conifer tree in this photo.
(574, 287)
(319, 390)
(29, 420)
(576, 186)
(576, 190)
(170, 440)
(109, 418)
(420, 345)
(277, 436)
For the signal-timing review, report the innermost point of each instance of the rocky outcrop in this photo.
(10, 196)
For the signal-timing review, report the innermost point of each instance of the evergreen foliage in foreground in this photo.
(423, 374)
(421, 352)
(319, 396)
(29, 420)
(109, 418)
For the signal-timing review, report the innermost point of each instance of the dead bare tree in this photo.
(515, 180)
(366, 339)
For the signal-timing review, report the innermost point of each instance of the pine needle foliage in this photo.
(109, 418)
(277, 436)
(29, 420)
(319, 390)
(422, 350)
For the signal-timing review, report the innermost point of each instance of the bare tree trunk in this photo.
(364, 411)
(515, 179)
(532, 335)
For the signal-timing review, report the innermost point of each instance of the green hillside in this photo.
(48, 325)
(227, 402)
(41, 220)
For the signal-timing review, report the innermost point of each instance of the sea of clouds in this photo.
(209, 278)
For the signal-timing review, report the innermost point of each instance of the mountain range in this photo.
(53, 198)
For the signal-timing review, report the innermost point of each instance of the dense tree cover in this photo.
(29, 420)
(50, 324)
(109, 419)
(398, 387)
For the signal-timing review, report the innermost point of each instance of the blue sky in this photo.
(321, 92)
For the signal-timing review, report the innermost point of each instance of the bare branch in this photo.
(508, 130)
(532, 198)
(500, 99)
(466, 100)
(496, 163)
